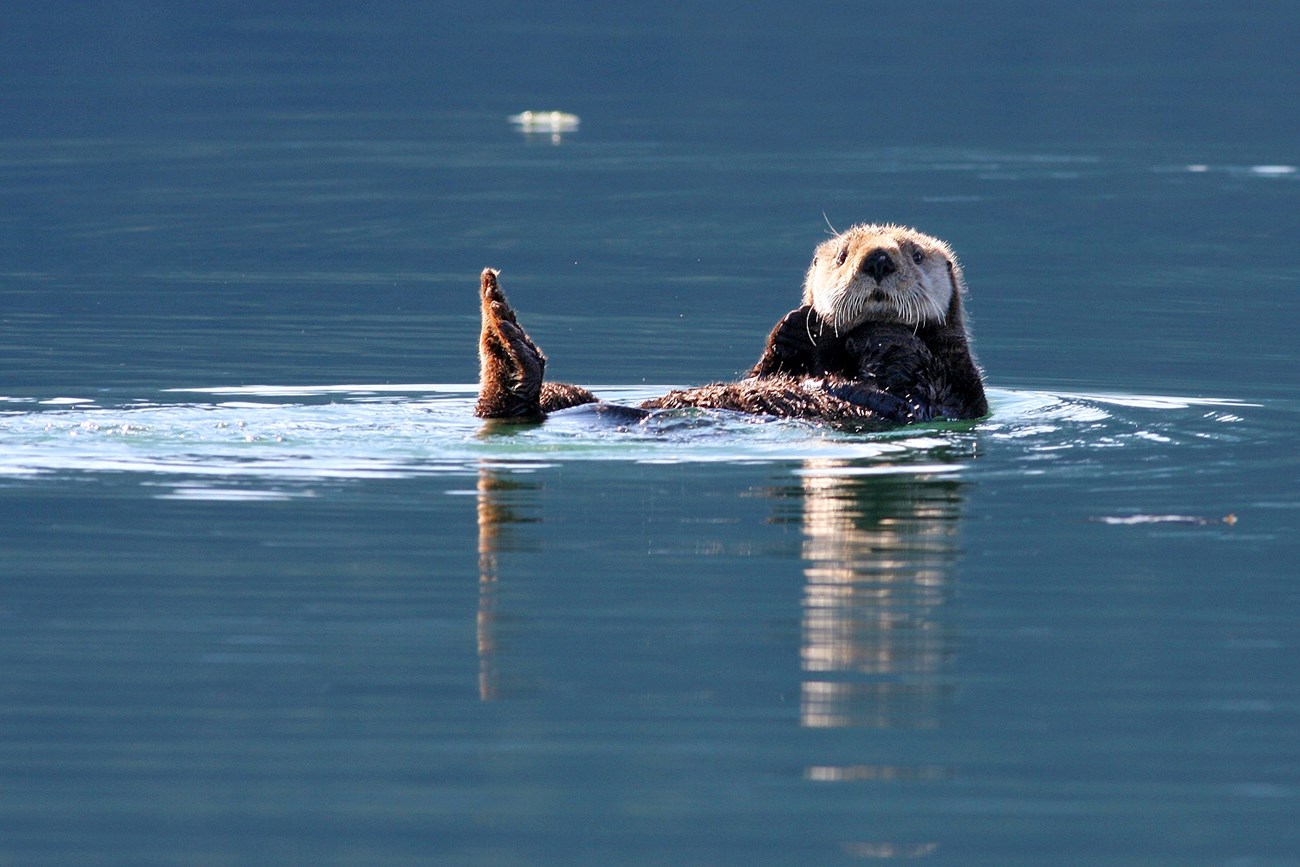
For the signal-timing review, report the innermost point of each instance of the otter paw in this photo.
(882, 404)
(793, 346)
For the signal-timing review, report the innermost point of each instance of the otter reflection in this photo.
(878, 552)
(497, 513)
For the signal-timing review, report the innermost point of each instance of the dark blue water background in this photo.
(270, 594)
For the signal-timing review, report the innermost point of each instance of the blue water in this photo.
(271, 594)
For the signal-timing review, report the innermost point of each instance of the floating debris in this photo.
(1168, 519)
(556, 123)
(1265, 171)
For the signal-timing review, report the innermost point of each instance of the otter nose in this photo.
(879, 265)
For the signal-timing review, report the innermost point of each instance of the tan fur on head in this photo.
(882, 273)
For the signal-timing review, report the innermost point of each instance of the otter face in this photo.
(882, 273)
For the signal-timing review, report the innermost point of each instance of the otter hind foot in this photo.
(511, 366)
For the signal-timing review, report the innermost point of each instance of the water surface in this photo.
(271, 595)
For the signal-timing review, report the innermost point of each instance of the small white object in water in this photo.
(1272, 170)
(546, 121)
(1167, 519)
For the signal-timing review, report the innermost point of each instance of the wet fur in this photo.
(878, 351)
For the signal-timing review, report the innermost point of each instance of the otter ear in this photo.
(958, 289)
(955, 275)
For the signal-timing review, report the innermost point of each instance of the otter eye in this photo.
(843, 254)
(918, 257)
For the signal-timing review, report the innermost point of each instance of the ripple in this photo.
(274, 441)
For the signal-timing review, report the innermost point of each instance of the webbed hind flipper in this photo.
(511, 366)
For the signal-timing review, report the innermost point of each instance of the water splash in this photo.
(274, 442)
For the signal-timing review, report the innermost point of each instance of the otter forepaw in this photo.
(792, 347)
(882, 404)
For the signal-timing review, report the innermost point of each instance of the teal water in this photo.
(271, 595)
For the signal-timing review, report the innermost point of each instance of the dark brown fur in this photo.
(878, 374)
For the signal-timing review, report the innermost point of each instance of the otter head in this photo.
(883, 273)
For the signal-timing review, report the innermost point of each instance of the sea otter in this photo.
(879, 341)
